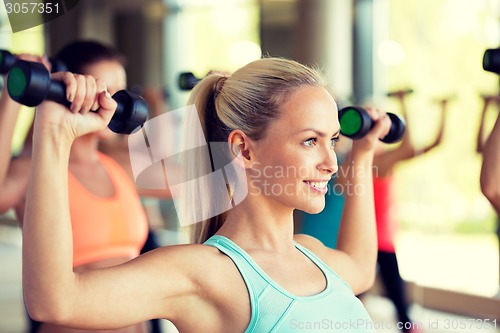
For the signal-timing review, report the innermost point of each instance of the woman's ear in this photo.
(239, 142)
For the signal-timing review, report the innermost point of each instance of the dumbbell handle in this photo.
(57, 93)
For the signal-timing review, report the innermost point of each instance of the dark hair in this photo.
(79, 54)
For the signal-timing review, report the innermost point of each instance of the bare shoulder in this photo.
(192, 257)
(317, 247)
(205, 279)
(177, 273)
(337, 260)
(309, 242)
(203, 265)
(330, 256)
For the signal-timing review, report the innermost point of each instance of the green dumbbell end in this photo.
(17, 82)
(350, 122)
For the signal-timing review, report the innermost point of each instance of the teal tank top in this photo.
(274, 309)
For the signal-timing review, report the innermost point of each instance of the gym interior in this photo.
(370, 51)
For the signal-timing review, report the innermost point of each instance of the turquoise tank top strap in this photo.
(269, 301)
(271, 305)
(252, 281)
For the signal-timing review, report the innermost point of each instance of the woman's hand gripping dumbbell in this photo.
(30, 84)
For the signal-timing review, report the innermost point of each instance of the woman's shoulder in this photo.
(201, 262)
(331, 257)
(311, 243)
(210, 274)
(189, 253)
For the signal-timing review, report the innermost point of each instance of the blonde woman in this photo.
(251, 274)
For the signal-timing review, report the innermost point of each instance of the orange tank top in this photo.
(385, 213)
(110, 227)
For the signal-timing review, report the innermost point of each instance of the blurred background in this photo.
(447, 247)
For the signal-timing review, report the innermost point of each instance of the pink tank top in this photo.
(385, 213)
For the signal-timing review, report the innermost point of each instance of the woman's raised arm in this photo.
(143, 288)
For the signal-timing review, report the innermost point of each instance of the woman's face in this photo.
(296, 158)
(111, 72)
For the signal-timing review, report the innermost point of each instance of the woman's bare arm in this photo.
(13, 189)
(147, 287)
(487, 100)
(490, 169)
(13, 175)
(9, 111)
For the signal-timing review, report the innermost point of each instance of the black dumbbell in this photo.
(7, 59)
(491, 60)
(29, 83)
(355, 123)
(187, 81)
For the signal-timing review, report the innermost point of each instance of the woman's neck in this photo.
(260, 222)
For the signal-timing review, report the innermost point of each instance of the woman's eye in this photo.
(333, 142)
(310, 142)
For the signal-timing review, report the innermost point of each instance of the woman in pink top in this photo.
(386, 217)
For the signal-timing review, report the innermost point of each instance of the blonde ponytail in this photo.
(198, 197)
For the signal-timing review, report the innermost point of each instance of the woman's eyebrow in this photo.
(318, 132)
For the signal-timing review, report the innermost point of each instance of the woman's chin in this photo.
(316, 209)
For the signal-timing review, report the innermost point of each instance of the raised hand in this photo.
(86, 94)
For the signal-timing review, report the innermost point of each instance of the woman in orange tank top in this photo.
(108, 221)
